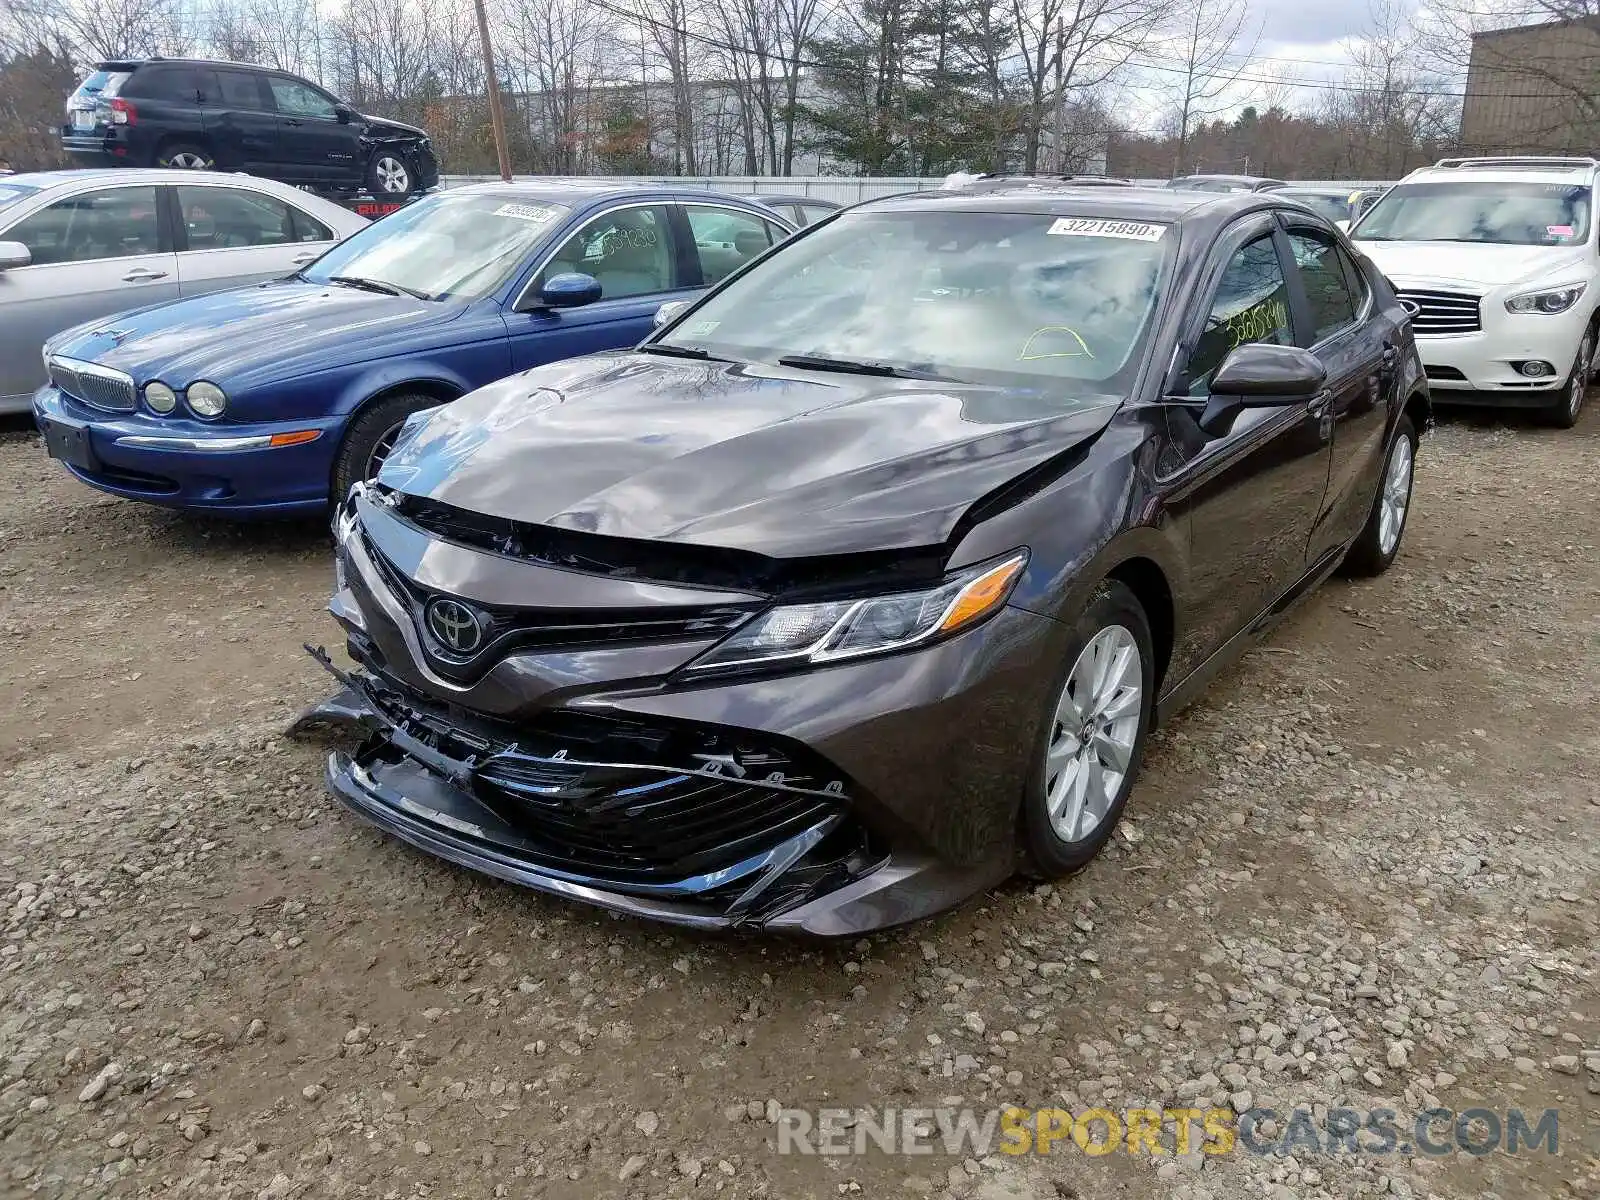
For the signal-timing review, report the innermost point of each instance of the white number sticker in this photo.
(525, 212)
(1137, 231)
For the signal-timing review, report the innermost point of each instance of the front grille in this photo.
(94, 385)
(532, 628)
(630, 802)
(1443, 312)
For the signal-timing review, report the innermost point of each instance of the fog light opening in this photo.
(1536, 368)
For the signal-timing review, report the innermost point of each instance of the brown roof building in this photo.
(1534, 89)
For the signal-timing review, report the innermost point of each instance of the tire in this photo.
(1113, 623)
(1563, 414)
(185, 156)
(369, 438)
(389, 175)
(1375, 549)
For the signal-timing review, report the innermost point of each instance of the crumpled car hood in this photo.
(756, 458)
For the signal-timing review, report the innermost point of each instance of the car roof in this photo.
(1491, 172)
(1112, 203)
(131, 64)
(580, 190)
(785, 198)
(135, 175)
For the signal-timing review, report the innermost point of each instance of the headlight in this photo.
(1549, 301)
(827, 632)
(160, 397)
(206, 399)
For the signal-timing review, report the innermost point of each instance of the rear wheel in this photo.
(1375, 549)
(370, 438)
(185, 156)
(1564, 412)
(1090, 750)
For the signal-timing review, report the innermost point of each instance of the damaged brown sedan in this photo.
(861, 583)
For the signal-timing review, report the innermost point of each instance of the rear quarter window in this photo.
(168, 83)
(102, 84)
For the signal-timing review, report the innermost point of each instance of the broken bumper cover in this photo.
(690, 847)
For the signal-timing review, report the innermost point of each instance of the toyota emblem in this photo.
(455, 626)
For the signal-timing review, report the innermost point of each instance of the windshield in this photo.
(443, 247)
(12, 193)
(1005, 298)
(1511, 214)
(1333, 207)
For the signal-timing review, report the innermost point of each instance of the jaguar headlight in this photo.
(206, 399)
(159, 397)
(1549, 301)
(800, 634)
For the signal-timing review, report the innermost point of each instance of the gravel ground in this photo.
(1360, 873)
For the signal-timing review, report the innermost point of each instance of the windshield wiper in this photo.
(854, 366)
(378, 285)
(673, 351)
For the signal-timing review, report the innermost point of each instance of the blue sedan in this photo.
(270, 400)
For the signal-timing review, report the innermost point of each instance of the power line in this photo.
(1018, 55)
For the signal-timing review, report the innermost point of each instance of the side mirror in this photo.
(670, 311)
(344, 113)
(1260, 375)
(570, 289)
(14, 254)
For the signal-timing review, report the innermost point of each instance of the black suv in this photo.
(174, 112)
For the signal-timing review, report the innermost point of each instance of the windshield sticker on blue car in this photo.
(525, 212)
(1137, 231)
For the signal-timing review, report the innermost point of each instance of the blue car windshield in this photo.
(1007, 299)
(445, 247)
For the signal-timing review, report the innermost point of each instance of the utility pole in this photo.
(497, 114)
(1061, 54)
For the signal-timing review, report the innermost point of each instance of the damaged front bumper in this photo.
(567, 811)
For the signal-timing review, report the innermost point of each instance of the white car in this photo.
(1499, 256)
(79, 245)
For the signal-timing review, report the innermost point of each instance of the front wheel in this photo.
(389, 175)
(370, 438)
(1375, 549)
(1092, 744)
(1563, 414)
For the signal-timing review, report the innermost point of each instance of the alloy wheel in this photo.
(1581, 369)
(381, 449)
(1096, 724)
(186, 160)
(392, 175)
(1396, 497)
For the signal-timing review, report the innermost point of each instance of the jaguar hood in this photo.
(781, 463)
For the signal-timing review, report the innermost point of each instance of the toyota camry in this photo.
(860, 583)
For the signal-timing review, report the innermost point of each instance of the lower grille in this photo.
(1444, 373)
(94, 385)
(1440, 312)
(628, 802)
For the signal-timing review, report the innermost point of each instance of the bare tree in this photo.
(1207, 45)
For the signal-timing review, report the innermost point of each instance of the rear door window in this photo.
(217, 218)
(180, 84)
(1333, 304)
(241, 90)
(725, 239)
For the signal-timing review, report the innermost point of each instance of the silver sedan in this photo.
(78, 245)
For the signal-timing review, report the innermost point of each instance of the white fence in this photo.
(841, 189)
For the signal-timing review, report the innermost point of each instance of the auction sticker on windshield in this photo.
(525, 212)
(1138, 231)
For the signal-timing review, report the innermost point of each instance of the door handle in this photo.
(142, 275)
(300, 260)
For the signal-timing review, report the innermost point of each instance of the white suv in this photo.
(1499, 257)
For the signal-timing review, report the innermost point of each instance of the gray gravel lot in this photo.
(1360, 874)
